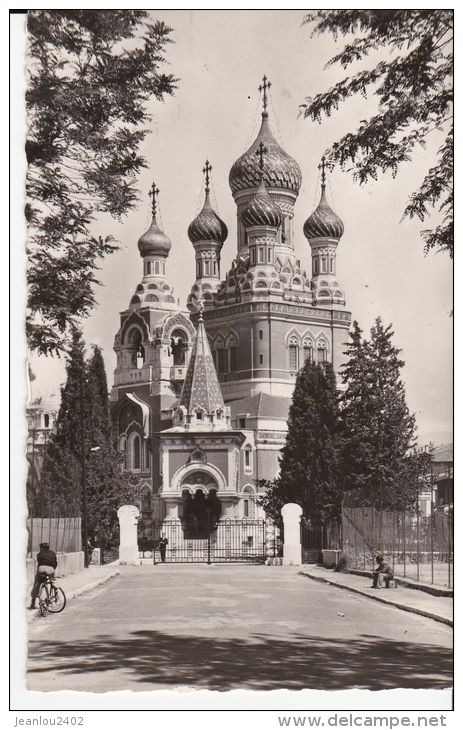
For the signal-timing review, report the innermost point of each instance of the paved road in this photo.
(229, 627)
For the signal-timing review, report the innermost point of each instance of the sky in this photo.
(220, 58)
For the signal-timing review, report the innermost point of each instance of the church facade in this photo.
(201, 393)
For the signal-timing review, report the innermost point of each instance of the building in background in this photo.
(41, 414)
(442, 474)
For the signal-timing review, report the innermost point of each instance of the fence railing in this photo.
(63, 534)
(417, 546)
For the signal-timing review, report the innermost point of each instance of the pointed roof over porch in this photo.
(201, 389)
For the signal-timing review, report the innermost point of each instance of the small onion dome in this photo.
(207, 226)
(154, 242)
(323, 223)
(261, 210)
(281, 171)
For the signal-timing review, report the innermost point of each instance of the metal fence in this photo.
(228, 541)
(417, 546)
(63, 534)
(318, 536)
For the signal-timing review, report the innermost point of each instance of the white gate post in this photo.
(291, 514)
(128, 542)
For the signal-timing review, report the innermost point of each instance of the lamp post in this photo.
(83, 472)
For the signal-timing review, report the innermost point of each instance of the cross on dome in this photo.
(263, 89)
(153, 193)
(261, 151)
(322, 167)
(206, 170)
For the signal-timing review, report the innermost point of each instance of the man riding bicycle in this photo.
(46, 565)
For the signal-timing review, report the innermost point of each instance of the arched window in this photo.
(248, 502)
(308, 351)
(293, 348)
(137, 351)
(221, 355)
(321, 351)
(232, 345)
(46, 420)
(179, 346)
(248, 458)
(135, 452)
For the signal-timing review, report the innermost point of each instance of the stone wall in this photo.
(67, 563)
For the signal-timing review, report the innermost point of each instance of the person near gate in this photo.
(384, 571)
(163, 542)
(46, 565)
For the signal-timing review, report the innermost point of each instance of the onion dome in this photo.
(261, 210)
(207, 226)
(323, 223)
(281, 170)
(154, 242)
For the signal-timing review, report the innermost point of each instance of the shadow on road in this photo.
(265, 663)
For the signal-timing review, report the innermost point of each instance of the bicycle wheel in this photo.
(43, 599)
(57, 600)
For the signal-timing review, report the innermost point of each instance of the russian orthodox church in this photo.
(201, 394)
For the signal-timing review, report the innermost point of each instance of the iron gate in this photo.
(227, 541)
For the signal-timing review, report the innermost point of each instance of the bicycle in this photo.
(52, 598)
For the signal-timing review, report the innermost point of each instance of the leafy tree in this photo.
(412, 79)
(309, 470)
(378, 429)
(90, 76)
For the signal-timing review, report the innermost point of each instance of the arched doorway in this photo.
(201, 507)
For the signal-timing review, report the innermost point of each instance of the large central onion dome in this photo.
(281, 171)
(261, 210)
(207, 226)
(323, 223)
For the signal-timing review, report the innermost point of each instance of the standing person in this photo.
(384, 569)
(46, 565)
(163, 542)
(89, 551)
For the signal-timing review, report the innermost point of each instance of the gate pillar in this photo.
(291, 514)
(128, 542)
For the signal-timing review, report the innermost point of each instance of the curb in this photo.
(94, 584)
(79, 591)
(375, 597)
(433, 590)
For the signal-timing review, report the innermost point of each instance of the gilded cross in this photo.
(322, 167)
(263, 88)
(206, 170)
(260, 152)
(153, 193)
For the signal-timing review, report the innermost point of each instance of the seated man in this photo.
(382, 569)
(46, 564)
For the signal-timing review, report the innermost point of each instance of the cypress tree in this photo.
(60, 493)
(108, 485)
(378, 429)
(83, 423)
(309, 473)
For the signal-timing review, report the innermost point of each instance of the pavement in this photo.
(415, 599)
(223, 627)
